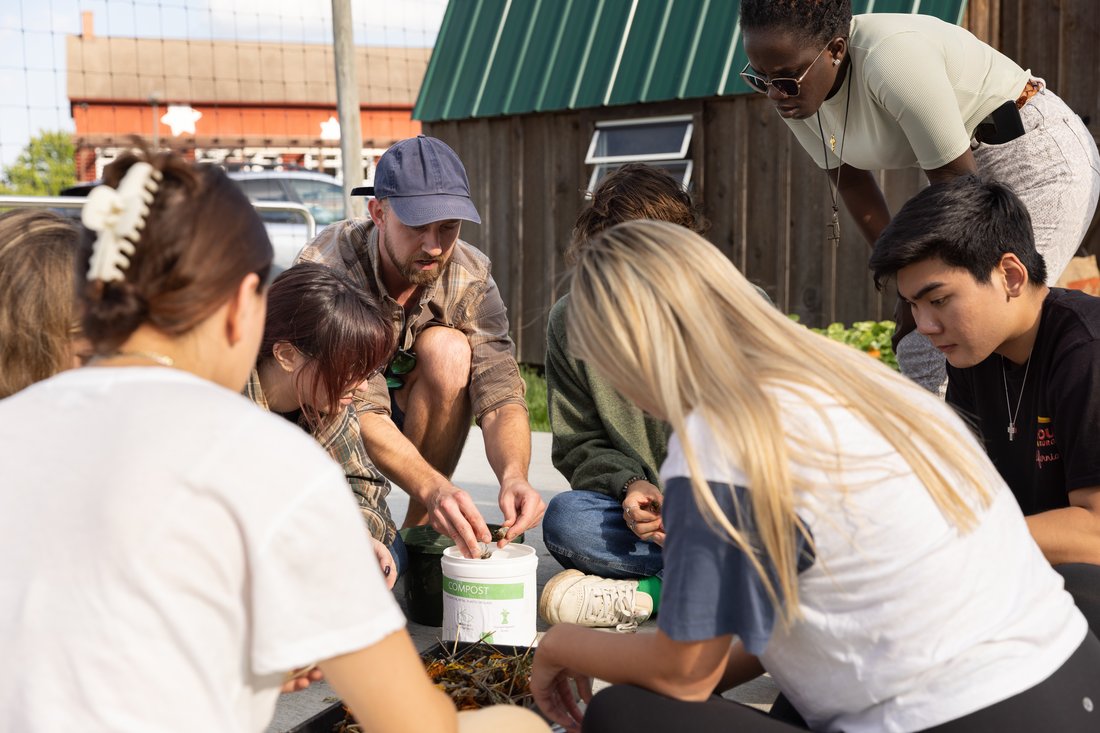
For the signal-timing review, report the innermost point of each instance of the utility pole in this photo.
(347, 105)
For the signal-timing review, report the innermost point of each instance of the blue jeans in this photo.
(585, 530)
(400, 555)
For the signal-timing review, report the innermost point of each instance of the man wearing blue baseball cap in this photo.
(454, 355)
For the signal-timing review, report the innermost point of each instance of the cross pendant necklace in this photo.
(1011, 429)
(833, 228)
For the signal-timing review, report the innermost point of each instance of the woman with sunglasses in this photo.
(886, 91)
(171, 552)
(324, 336)
(837, 527)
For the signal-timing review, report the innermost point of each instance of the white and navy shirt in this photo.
(904, 622)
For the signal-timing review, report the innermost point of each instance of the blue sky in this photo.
(32, 41)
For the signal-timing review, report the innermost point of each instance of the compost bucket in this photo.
(491, 599)
(423, 579)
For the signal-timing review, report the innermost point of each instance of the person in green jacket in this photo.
(608, 531)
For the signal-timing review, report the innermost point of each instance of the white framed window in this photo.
(662, 142)
(678, 169)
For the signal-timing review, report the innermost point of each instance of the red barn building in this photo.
(240, 104)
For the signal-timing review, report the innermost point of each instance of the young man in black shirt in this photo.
(1023, 359)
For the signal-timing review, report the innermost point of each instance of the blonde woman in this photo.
(827, 521)
(172, 551)
(39, 329)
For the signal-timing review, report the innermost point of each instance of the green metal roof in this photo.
(507, 57)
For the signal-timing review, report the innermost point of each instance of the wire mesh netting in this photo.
(249, 84)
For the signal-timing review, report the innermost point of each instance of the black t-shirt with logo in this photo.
(1057, 447)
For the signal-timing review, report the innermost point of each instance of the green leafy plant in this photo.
(872, 337)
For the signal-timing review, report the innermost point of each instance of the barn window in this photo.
(661, 142)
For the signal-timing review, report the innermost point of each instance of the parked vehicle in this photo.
(320, 193)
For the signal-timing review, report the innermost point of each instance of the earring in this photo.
(836, 62)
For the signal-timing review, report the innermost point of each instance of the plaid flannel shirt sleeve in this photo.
(345, 445)
(341, 246)
(495, 380)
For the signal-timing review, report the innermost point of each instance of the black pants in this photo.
(1068, 702)
(1083, 583)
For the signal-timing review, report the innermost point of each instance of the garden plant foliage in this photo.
(872, 337)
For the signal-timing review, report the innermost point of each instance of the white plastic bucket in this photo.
(492, 599)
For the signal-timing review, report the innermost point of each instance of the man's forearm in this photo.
(398, 458)
(507, 432)
(1067, 535)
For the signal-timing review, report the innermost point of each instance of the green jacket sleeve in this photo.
(600, 439)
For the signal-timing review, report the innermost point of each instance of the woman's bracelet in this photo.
(631, 480)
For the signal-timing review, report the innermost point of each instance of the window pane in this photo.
(678, 169)
(635, 141)
(324, 200)
(263, 189)
(268, 189)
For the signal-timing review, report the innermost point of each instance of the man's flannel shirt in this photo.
(464, 297)
(341, 438)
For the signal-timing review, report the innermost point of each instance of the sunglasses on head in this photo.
(402, 363)
(788, 87)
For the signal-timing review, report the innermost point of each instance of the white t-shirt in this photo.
(170, 550)
(919, 88)
(905, 623)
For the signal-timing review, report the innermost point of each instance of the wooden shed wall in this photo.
(766, 201)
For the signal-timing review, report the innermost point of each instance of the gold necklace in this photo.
(159, 359)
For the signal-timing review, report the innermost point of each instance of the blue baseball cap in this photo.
(424, 181)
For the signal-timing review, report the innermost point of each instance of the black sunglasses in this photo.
(786, 86)
(402, 363)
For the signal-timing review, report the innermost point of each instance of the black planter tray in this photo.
(323, 722)
(327, 720)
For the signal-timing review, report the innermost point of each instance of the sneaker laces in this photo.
(612, 605)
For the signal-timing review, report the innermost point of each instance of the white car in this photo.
(320, 193)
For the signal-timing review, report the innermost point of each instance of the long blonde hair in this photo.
(672, 325)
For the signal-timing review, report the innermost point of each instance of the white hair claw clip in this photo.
(117, 215)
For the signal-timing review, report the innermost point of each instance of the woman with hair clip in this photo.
(39, 329)
(171, 551)
(835, 526)
(322, 337)
(891, 91)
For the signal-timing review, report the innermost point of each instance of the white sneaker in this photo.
(571, 597)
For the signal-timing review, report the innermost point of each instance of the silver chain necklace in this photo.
(1008, 403)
